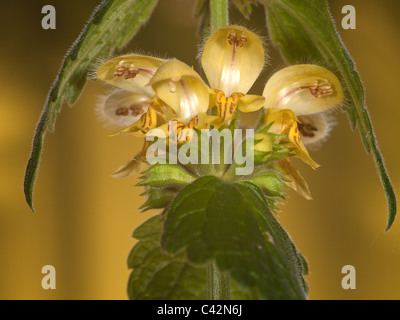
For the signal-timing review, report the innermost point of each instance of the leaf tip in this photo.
(392, 213)
(29, 200)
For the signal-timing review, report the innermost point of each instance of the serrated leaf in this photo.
(304, 31)
(187, 215)
(270, 182)
(212, 219)
(112, 25)
(285, 247)
(157, 275)
(158, 198)
(244, 7)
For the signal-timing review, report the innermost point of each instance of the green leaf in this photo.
(112, 25)
(304, 31)
(285, 247)
(231, 224)
(160, 175)
(157, 275)
(270, 182)
(244, 7)
(158, 198)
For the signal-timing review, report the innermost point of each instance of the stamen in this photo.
(230, 74)
(242, 40)
(129, 72)
(122, 111)
(119, 71)
(307, 130)
(232, 38)
(234, 41)
(321, 90)
(316, 89)
(136, 110)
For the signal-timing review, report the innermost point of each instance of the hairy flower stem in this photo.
(219, 14)
(218, 283)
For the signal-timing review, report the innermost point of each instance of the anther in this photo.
(232, 38)
(122, 112)
(242, 40)
(136, 110)
(307, 130)
(128, 73)
(119, 71)
(234, 41)
(321, 90)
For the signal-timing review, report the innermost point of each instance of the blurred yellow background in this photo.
(84, 218)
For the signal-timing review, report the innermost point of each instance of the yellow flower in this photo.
(296, 99)
(305, 89)
(132, 101)
(232, 59)
(152, 92)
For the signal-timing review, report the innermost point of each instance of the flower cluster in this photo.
(152, 92)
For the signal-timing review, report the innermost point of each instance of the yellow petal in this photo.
(184, 132)
(164, 113)
(232, 59)
(130, 72)
(177, 131)
(283, 120)
(133, 166)
(297, 182)
(204, 121)
(122, 108)
(301, 151)
(251, 103)
(146, 122)
(303, 88)
(226, 105)
(181, 88)
(286, 122)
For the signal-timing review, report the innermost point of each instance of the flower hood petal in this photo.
(232, 59)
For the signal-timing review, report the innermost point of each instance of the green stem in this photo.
(219, 14)
(218, 283)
